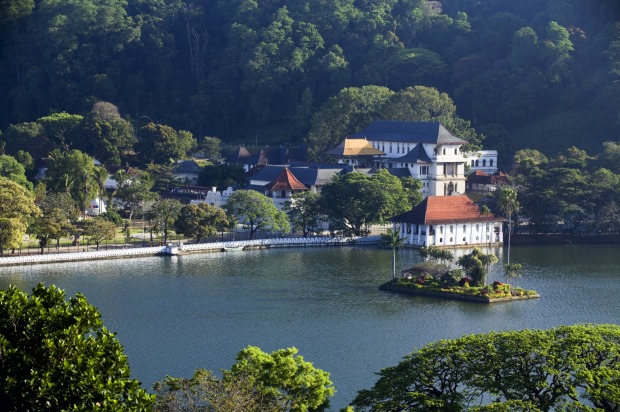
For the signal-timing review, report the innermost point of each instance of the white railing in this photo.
(215, 246)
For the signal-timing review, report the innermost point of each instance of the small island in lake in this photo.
(436, 278)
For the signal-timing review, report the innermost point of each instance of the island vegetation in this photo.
(437, 277)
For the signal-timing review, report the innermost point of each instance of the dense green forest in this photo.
(541, 74)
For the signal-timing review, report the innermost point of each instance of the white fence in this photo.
(216, 246)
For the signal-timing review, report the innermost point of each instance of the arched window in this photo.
(484, 162)
(476, 163)
(472, 163)
(491, 162)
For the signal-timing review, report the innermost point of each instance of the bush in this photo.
(465, 282)
(112, 216)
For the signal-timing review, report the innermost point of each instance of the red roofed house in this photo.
(448, 221)
(282, 188)
(482, 182)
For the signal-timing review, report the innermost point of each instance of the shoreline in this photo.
(389, 286)
(214, 247)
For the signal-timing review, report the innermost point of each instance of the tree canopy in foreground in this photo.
(573, 368)
(258, 382)
(57, 356)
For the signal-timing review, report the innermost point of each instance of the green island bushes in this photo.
(436, 276)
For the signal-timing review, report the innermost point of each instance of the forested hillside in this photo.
(543, 74)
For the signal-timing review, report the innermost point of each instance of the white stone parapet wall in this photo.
(214, 246)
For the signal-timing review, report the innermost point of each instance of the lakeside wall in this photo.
(190, 248)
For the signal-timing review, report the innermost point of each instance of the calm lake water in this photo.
(174, 315)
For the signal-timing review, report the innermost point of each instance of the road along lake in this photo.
(176, 314)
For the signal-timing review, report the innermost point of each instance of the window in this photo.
(456, 151)
(476, 163)
(440, 229)
(484, 162)
(444, 151)
(423, 170)
(491, 162)
(464, 228)
(451, 229)
(390, 147)
(477, 228)
(472, 163)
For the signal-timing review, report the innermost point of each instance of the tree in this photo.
(257, 212)
(53, 223)
(358, 201)
(107, 136)
(201, 220)
(222, 176)
(304, 212)
(513, 271)
(392, 240)
(162, 144)
(72, 172)
(347, 112)
(257, 382)
(508, 204)
(13, 170)
(17, 208)
(134, 189)
(164, 213)
(566, 368)
(99, 230)
(475, 265)
(57, 355)
(211, 147)
(437, 254)
(412, 189)
(100, 176)
(62, 129)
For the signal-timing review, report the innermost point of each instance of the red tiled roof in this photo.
(286, 180)
(483, 178)
(445, 209)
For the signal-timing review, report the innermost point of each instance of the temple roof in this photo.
(445, 209)
(408, 132)
(286, 180)
(241, 156)
(415, 155)
(354, 147)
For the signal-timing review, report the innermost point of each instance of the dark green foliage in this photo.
(571, 193)
(281, 381)
(222, 176)
(112, 216)
(355, 201)
(246, 70)
(199, 221)
(56, 355)
(566, 368)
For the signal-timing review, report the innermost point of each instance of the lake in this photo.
(176, 314)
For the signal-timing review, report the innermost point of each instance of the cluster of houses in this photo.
(426, 151)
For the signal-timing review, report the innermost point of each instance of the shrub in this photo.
(465, 282)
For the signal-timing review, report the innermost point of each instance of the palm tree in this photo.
(507, 203)
(485, 212)
(392, 240)
(100, 175)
